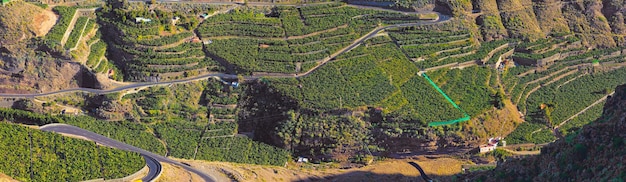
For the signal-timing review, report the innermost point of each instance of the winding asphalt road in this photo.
(423, 174)
(73, 130)
(442, 18)
(154, 167)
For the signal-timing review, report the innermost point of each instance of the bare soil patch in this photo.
(5, 178)
(43, 22)
(175, 173)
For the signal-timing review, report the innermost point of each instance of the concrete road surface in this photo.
(73, 130)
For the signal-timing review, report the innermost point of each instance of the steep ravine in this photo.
(594, 153)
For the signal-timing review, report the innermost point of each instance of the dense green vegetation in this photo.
(96, 51)
(579, 121)
(530, 132)
(135, 134)
(285, 40)
(241, 24)
(33, 155)
(421, 43)
(65, 17)
(209, 138)
(480, 54)
(545, 95)
(396, 88)
(158, 49)
(313, 33)
(468, 87)
(371, 95)
(165, 40)
(281, 55)
(183, 147)
(27, 117)
(436, 48)
(480, 168)
(77, 32)
(425, 104)
(586, 90)
(322, 90)
(241, 150)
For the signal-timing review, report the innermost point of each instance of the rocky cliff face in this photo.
(596, 153)
(599, 22)
(23, 67)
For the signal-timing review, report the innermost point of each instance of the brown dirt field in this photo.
(43, 22)
(5, 178)
(174, 173)
(388, 170)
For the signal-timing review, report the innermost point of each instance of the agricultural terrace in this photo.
(472, 88)
(157, 46)
(289, 39)
(380, 73)
(376, 75)
(544, 94)
(430, 48)
(208, 139)
(210, 125)
(214, 141)
(78, 33)
(65, 18)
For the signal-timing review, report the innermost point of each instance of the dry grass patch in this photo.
(176, 173)
(388, 170)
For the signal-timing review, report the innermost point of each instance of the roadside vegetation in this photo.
(33, 155)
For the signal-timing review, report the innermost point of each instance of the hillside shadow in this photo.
(370, 176)
(86, 79)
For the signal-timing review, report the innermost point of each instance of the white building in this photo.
(142, 20)
(492, 144)
(487, 148)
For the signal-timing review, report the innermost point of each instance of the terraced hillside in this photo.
(289, 39)
(150, 119)
(377, 89)
(244, 40)
(306, 80)
(381, 77)
(161, 46)
(544, 94)
(444, 48)
(577, 156)
(375, 78)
